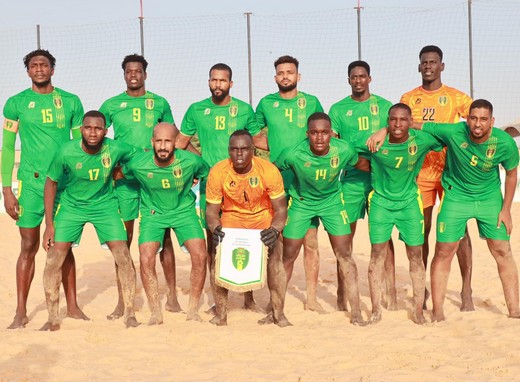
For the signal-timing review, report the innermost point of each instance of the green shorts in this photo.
(455, 213)
(288, 178)
(70, 220)
(30, 201)
(355, 196)
(406, 215)
(127, 193)
(185, 223)
(330, 211)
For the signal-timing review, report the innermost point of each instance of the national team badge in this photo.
(240, 258)
(123, 105)
(349, 113)
(464, 145)
(443, 100)
(334, 162)
(31, 105)
(149, 104)
(79, 166)
(276, 104)
(374, 109)
(302, 102)
(177, 172)
(106, 162)
(149, 175)
(412, 149)
(207, 111)
(58, 103)
(233, 110)
(490, 153)
(254, 182)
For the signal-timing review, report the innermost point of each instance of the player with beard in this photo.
(45, 116)
(86, 166)
(165, 176)
(285, 114)
(214, 119)
(133, 114)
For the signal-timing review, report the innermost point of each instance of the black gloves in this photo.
(269, 236)
(217, 236)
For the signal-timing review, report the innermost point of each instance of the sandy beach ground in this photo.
(471, 346)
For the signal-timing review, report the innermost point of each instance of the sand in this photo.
(470, 346)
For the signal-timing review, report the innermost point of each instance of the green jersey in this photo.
(88, 176)
(45, 122)
(395, 166)
(285, 119)
(214, 124)
(355, 122)
(316, 177)
(135, 117)
(471, 170)
(167, 188)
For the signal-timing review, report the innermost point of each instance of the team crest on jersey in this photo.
(149, 175)
(79, 166)
(106, 162)
(307, 164)
(334, 161)
(58, 103)
(490, 153)
(374, 109)
(384, 152)
(412, 149)
(464, 145)
(123, 105)
(177, 172)
(276, 104)
(31, 105)
(443, 100)
(254, 181)
(207, 111)
(149, 104)
(349, 113)
(302, 102)
(233, 110)
(417, 101)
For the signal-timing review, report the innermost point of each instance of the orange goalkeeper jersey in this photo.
(444, 105)
(245, 198)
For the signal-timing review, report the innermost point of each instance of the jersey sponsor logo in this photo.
(349, 113)
(123, 105)
(149, 104)
(32, 104)
(106, 162)
(443, 100)
(276, 104)
(464, 145)
(334, 161)
(254, 181)
(412, 149)
(307, 164)
(240, 258)
(177, 172)
(302, 103)
(58, 103)
(233, 110)
(490, 153)
(79, 166)
(418, 101)
(374, 109)
(232, 183)
(384, 152)
(149, 175)
(207, 111)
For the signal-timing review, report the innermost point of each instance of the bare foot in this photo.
(514, 315)
(314, 306)
(131, 322)
(375, 318)
(418, 318)
(18, 322)
(266, 320)
(467, 302)
(77, 314)
(218, 321)
(357, 319)
(172, 305)
(211, 310)
(438, 317)
(250, 304)
(193, 317)
(282, 322)
(117, 313)
(49, 326)
(155, 319)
